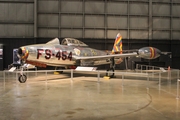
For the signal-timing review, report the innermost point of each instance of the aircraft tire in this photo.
(109, 74)
(22, 78)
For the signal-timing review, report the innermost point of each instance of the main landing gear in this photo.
(59, 70)
(110, 71)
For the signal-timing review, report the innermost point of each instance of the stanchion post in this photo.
(71, 74)
(153, 71)
(36, 71)
(46, 76)
(136, 66)
(169, 76)
(178, 80)
(146, 68)
(122, 79)
(147, 81)
(177, 74)
(16, 77)
(159, 78)
(136, 69)
(4, 76)
(98, 76)
(27, 73)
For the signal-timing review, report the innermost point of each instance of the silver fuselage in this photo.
(74, 52)
(51, 54)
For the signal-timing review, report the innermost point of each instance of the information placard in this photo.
(1, 53)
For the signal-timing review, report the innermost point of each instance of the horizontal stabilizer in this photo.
(165, 53)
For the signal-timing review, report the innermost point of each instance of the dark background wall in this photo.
(96, 22)
(97, 19)
(164, 45)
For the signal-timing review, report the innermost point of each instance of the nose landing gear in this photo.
(22, 77)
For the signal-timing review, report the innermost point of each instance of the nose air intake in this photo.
(23, 53)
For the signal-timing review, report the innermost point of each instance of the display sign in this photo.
(12, 69)
(86, 68)
(16, 59)
(1, 53)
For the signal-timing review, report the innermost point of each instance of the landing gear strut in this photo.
(110, 71)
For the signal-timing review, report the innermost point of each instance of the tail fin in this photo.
(117, 48)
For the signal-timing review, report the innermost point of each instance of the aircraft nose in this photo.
(23, 53)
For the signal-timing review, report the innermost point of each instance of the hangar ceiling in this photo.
(135, 19)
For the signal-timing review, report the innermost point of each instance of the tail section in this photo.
(117, 48)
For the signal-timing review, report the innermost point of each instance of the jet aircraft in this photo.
(73, 52)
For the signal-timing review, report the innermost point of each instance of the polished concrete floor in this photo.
(83, 98)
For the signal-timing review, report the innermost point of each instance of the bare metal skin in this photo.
(73, 52)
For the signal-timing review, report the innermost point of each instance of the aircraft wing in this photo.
(105, 56)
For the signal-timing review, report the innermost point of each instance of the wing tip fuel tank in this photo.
(149, 52)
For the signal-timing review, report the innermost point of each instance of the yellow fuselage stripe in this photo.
(152, 52)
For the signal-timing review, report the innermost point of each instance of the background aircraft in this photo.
(73, 52)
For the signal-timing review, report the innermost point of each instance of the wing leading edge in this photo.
(105, 56)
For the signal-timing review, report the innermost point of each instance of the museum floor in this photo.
(59, 98)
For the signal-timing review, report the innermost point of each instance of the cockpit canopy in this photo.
(67, 41)
(72, 41)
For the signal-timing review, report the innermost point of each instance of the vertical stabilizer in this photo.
(117, 48)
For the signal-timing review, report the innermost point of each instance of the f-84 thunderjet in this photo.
(73, 52)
